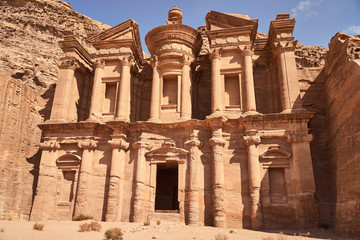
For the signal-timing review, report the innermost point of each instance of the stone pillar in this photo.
(96, 96)
(289, 86)
(250, 103)
(185, 106)
(61, 103)
(141, 147)
(155, 92)
(82, 203)
(252, 140)
(303, 180)
(45, 198)
(216, 86)
(118, 158)
(123, 96)
(193, 165)
(217, 144)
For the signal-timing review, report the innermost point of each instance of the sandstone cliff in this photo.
(29, 35)
(342, 75)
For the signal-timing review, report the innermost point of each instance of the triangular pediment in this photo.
(124, 30)
(167, 153)
(217, 20)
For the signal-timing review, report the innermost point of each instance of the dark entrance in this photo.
(167, 187)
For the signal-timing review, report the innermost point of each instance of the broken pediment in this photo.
(68, 161)
(217, 20)
(275, 152)
(125, 34)
(167, 153)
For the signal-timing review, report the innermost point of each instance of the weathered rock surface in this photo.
(29, 35)
(342, 74)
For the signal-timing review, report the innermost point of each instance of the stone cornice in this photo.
(71, 47)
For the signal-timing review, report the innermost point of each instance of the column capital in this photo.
(87, 144)
(154, 61)
(119, 143)
(49, 145)
(99, 63)
(126, 61)
(215, 141)
(294, 138)
(69, 63)
(186, 60)
(284, 46)
(246, 50)
(252, 140)
(192, 143)
(142, 144)
(215, 54)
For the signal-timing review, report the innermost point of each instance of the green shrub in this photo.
(81, 217)
(87, 227)
(114, 234)
(38, 226)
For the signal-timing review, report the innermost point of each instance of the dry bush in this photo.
(114, 234)
(87, 227)
(221, 236)
(146, 223)
(2, 230)
(158, 222)
(82, 217)
(38, 226)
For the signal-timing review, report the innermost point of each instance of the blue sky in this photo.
(316, 20)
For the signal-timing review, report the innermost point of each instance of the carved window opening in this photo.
(170, 92)
(277, 184)
(110, 97)
(232, 91)
(166, 198)
(67, 186)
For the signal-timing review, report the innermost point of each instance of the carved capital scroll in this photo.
(69, 63)
(215, 54)
(50, 145)
(87, 144)
(99, 63)
(142, 144)
(215, 141)
(119, 143)
(154, 61)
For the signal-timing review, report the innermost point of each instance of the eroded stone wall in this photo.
(29, 35)
(342, 74)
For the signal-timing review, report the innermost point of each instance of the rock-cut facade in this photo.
(208, 130)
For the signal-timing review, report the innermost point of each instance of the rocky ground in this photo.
(15, 230)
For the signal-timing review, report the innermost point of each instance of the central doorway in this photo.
(166, 197)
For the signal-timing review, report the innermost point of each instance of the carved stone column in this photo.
(185, 106)
(250, 103)
(96, 96)
(289, 86)
(118, 158)
(82, 204)
(141, 147)
(61, 103)
(216, 94)
(217, 144)
(252, 140)
(44, 201)
(303, 180)
(155, 92)
(193, 164)
(123, 103)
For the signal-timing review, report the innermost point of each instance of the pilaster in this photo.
(82, 203)
(96, 96)
(217, 144)
(252, 140)
(155, 91)
(123, 103)
(216, 94)
(61, 103)
(185, 106)
(193, 164)
(138, 212)
(118, 158)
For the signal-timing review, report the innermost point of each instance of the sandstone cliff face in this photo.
(29, 35)
(342, 74)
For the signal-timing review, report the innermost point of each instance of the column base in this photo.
(122, 118)
(154, 120)
(182, 119)
(296, 110)
(251, 112)
(57, 120)
(93, 118)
